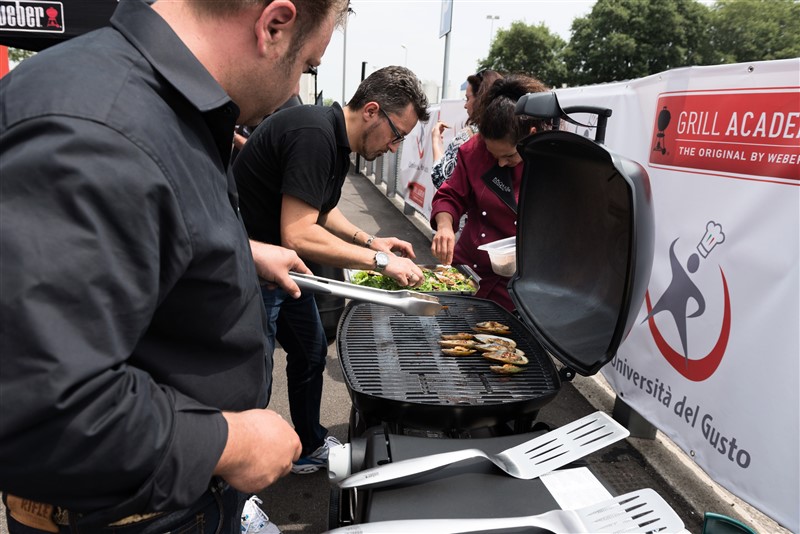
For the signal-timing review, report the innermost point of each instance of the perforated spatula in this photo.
(528, 460)
(408, 302)
(639, 511)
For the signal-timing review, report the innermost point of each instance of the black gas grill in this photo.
(396, 372)
(584, 252)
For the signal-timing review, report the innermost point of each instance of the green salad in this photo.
(438, 279)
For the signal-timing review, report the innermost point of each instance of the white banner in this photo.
(713, 358)
(416, 160)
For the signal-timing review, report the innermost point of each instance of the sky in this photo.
(406, 32)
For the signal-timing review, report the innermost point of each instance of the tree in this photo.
(17, 55)
(528, 49)
(625, 39)
(755, 30)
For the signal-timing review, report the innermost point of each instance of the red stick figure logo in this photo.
(420, 138)
(675, 301)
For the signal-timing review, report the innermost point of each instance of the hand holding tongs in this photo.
(408, 302)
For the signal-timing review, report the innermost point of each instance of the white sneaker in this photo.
(315, 460)
(255, 520)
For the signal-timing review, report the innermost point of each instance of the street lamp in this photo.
(492, 18)
(344, 62)
(405, 60)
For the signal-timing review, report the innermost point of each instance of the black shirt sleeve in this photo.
(309, 156)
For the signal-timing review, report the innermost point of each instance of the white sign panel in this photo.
(416, 160)
(713, 359)
(446, 20)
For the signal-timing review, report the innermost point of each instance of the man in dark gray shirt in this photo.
(133, 373)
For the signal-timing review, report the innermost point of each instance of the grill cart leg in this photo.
(638, 426)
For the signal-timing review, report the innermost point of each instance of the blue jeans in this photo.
(296, 324)
(216, 512)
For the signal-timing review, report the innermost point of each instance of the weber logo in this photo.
(32, 16)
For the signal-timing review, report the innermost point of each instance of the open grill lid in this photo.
(585, 235)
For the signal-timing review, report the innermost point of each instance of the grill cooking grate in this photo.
(389, 355)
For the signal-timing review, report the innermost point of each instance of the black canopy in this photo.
(38, 24)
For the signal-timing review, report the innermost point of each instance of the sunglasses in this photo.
(481, 74)
(398, 137)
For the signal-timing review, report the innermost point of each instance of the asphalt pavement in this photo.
(300, 503)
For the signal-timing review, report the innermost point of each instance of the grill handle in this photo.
(408, 302)
(392, 473)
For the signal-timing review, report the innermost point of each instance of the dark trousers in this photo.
(296, 324)
(216, 512)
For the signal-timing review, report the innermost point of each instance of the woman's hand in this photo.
(438, 130)
(444, 242)
(437, 140)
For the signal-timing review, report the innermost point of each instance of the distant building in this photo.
(431, 89)
(307, 89)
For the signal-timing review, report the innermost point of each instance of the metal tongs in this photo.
(408, 302)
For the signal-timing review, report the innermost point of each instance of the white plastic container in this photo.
(503, 255)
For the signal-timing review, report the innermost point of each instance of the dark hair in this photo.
(478, 82)
(393, 88)
(483, 76)
(494, 110)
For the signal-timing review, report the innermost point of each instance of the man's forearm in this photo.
(337, 224)
(319, 245)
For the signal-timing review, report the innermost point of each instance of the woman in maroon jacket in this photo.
(485, 185)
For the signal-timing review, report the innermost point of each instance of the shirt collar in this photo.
(157, 42)
(340, 126)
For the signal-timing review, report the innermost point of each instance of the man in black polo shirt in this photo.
(289, 176)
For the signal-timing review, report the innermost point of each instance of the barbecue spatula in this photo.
(408, 302)
(639, 511)
(528, 460)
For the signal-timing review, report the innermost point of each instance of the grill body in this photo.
(396, 372)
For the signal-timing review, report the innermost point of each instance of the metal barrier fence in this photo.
(383, 170)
